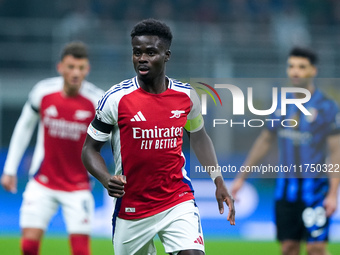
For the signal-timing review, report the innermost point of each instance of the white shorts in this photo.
(179, 228)
(40, 204)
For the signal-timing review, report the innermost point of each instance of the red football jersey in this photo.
(147, 131)
(62, 131)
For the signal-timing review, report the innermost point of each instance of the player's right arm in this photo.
(20, 139)
(98, 133)
(95, 165)
(258, 151)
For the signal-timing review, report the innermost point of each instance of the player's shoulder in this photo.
(178, 85)
(47, 86)
(125, 85)
(117, 91)
(50, 83)
(44, 88)
(325, 102)
(91, 91)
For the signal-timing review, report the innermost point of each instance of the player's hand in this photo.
(9, 182)
(115, 186)
(222, 195)
(236, 186)
(330, 203)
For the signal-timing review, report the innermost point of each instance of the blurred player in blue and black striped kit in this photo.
(304, 202)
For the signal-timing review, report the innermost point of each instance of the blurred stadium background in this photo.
(212, 39)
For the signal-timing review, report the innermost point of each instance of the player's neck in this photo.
(154, 86)
(310, 87)
(70, 92)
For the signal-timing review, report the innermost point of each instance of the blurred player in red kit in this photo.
(64, 106)
(147, 116)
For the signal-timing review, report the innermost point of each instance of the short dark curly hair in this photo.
(153, 27)
(305, 53)
(77, 49)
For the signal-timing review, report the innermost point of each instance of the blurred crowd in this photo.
(325, 12)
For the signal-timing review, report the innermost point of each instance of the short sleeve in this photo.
(194, 119)
(104, 121)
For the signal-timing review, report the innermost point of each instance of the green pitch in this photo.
(57, 246)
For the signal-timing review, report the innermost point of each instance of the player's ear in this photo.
(60, 68)
(88, 69)
(167, 55)
(315, 71)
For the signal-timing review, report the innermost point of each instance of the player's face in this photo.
(149, 56)
(300, 71)
(74, 71)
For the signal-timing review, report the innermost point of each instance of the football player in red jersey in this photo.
(146, 116)
(64, 106)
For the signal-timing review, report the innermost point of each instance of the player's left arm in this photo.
(330, 202)
(205, 152)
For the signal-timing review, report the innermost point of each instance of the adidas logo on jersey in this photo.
(51, 111)
(199, 240)
(130, 209)
(138, 117)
